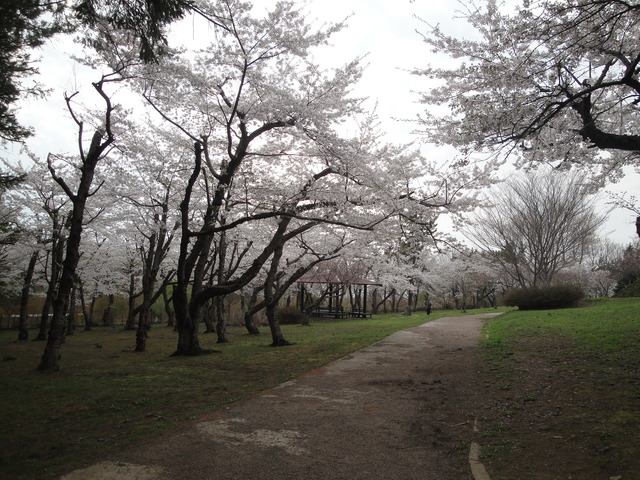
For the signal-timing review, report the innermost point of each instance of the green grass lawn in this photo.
(107, 396)
(567, 383)
(604, 326)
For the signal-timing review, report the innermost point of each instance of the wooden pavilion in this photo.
(334, 285)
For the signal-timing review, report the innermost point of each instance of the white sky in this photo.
(384, 30)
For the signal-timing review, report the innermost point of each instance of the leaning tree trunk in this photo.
(277, 336)
(23, 329)
(249, 314)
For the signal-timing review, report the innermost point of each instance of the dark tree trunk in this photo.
(208, 318)
(159, 242)
(108, 314)
(71, 313)
(271, 298)
(408, 310)
(187, 325)
(57, 258)
(44, 317)
(23, 330)
(141, 331)
(188, 342)
(277, 336)
(92, 310)
(188, 310)
(171, 317)
(83, 305)
(131, 304)
(249, 323)
(50, 359)
(220, 315)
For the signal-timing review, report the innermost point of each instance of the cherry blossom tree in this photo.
(549, 79)
(144, 177)
(262, 122)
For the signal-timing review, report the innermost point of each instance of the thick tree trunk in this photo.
(188, 339)
(408, 309)
(277, 336)
(250, 324)
(187, 324)
(23, 330)
(188, 342)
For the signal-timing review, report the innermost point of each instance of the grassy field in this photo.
(608, 326)
(566, 395)
(107, 396)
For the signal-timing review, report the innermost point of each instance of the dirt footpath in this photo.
(389, 411)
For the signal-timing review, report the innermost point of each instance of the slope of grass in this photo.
(606, 325)
(106, 396)
(566, 388)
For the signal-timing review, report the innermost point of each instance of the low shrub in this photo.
(290, 316)
(544, 298)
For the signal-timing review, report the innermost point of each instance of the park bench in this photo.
(360, 313)
(329, 312)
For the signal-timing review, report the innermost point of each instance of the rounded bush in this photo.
(544, 298)
(290, 316)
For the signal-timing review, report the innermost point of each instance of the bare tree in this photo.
(539, 224)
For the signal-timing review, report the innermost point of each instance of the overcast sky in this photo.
(383, 30)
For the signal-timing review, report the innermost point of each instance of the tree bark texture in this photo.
(23, 331)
